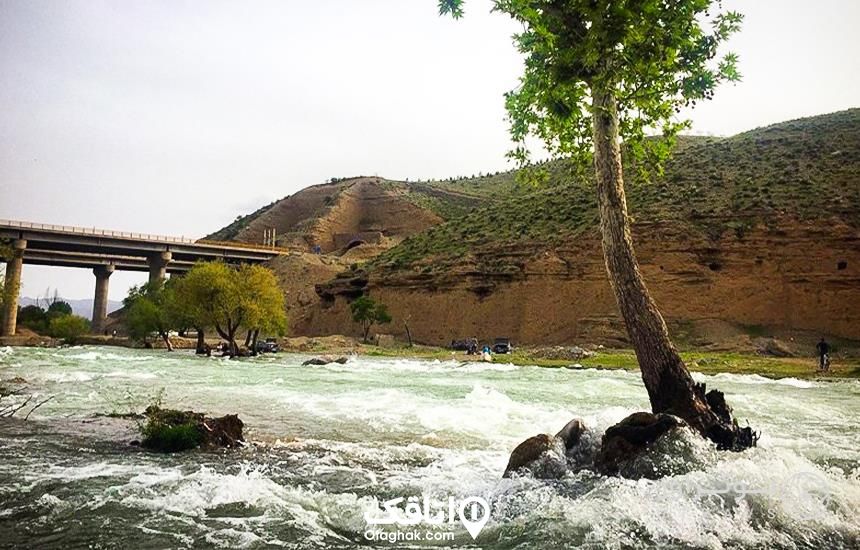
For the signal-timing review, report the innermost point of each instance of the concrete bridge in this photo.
(105, 251)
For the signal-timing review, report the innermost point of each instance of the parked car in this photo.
(502, 345)
(269, 346)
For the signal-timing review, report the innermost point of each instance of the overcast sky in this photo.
(173, 117)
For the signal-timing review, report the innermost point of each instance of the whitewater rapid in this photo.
(328, 445)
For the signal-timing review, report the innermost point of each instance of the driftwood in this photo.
(10, 410)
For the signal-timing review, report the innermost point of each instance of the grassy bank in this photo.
(704, 362)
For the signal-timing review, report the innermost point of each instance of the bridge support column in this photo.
(158, 266)
(12, 287)
(100, 302)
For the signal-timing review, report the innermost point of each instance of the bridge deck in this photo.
(63, 245)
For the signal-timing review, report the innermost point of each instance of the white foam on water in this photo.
(69, 376)
(77, 473)
(753, 379)
(486, 366)
(114, 357)
(133, 375)
(231, 538)
(379, 428)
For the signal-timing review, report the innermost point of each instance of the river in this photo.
(329, 445)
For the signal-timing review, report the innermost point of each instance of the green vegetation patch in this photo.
(806, 169)
(171, 431)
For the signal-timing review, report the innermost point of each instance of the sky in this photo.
(175, 116)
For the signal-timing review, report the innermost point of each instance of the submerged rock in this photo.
(544, 456)
(624, 442)
(571, 433)
(170, 430)
(526, 452)
(325, 360)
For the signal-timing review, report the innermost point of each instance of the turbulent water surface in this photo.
(329, 445)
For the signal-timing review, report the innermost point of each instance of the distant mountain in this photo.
(84, 308)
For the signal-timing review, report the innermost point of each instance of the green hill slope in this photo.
(806, 168)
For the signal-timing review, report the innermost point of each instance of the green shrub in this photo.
(68, 327)
(59, 308)
(34, 318)
(169, 438)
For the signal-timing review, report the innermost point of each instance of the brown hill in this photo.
(759, 232)
(339, 215)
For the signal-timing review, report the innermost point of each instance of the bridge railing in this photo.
(136, 236)
(95, 231)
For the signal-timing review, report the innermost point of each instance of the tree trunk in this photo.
(254, 341)
(230, 336)
(201, 342)
(166, 338)
(248, 339)
(670, 387)
(366, 331)
(408, 333)
(234, 347)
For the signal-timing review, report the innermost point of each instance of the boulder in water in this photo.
(625, 441)
(325, 360)
(571, 434)
(224, 431)
(544, 456)
(528, 452)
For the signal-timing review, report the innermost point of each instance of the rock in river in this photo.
(171, 430)
(325, 360)
(624, 442)
(545, 456)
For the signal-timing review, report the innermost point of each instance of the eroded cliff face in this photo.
(366, 212)
(798, 275)
(335, 215)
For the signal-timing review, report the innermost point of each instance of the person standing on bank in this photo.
(823, 349)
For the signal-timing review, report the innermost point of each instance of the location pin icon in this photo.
(475, 522)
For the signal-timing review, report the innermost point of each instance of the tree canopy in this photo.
(147, 311)
(59, 307)
(367, 312)
(598, 72)
(214, 294)
(656, 56)
(68, 327)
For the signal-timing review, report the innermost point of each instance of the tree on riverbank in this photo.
(147, 311)
(226, 298)
(58, 321)
(597, 72)
(68, 327)
(367, 312)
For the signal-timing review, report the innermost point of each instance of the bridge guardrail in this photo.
(137, 236)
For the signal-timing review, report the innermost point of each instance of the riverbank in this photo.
(625, 359)
(705, 362)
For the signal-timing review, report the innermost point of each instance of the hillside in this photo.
(756, 230)
(807, 169)
(358, 210)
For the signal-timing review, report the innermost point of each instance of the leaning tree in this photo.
(601, 71)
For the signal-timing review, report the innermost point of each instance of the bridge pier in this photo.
(11, 288)
(100, 300)
(158, 266)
